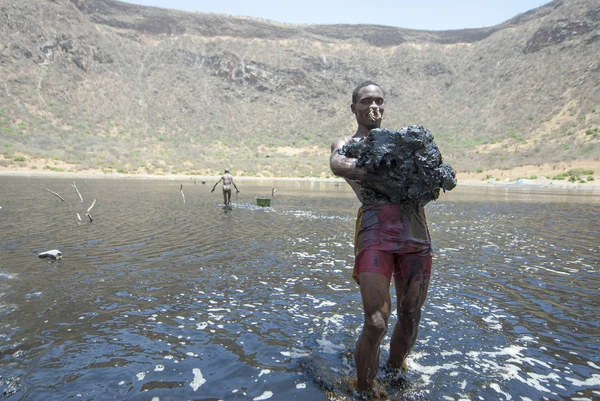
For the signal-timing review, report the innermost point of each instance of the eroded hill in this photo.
(103, 84)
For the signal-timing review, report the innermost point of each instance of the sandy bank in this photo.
(520, 177)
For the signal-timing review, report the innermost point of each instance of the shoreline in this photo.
(463, 179)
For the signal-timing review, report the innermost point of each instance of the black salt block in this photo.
(403, 167)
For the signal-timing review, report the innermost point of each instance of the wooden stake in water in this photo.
(52, 192)
(78, 193)
(88, 211)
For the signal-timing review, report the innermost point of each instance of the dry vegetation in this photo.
(109, 86)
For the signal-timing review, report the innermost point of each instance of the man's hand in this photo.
(237, 191)
(212, 190)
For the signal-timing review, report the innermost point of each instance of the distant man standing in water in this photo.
(390, 240)
(227, 183)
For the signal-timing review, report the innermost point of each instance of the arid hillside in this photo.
(88, 84)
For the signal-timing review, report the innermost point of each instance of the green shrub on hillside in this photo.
(52, 168)
(561, 176)
(573, 175)
(516, 137)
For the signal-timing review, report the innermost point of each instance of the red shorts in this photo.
(392, 240)
(401, 266)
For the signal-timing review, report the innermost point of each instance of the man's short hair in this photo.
(226, 170)
(360, 86)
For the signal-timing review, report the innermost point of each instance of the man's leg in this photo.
(411, 291)
(224, 196)
(375, 293)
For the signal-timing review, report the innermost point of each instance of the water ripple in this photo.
(160, 299)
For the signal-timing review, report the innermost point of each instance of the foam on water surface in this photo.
(199, 379)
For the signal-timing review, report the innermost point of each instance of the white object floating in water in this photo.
(264, 396)
(52, 254)
(199, 380)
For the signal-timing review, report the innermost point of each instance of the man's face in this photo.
(369, 106)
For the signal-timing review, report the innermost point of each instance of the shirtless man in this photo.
(227, 183)
(390, 241)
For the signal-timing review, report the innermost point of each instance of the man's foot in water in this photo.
(377, 393)
(403, 366)
(394, 376)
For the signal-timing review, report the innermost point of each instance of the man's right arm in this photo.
(343, 166)
(217, 183)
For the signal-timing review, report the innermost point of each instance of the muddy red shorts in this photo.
(392, 240)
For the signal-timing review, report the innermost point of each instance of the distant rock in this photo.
(542, 181)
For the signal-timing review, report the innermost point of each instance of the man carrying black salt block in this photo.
(391, 240)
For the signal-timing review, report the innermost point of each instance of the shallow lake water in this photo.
(170, 297)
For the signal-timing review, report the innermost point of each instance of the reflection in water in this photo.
(160, 299)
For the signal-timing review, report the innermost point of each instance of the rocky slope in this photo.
(130, 88)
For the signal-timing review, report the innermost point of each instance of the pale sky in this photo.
(413, 14)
